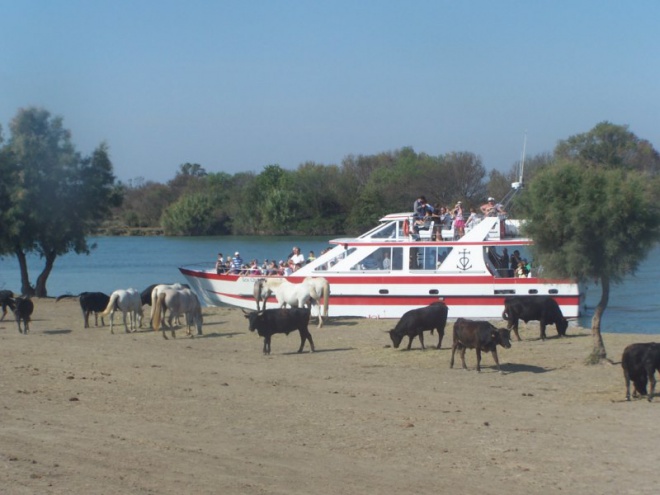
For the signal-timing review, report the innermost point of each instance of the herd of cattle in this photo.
(639, 361)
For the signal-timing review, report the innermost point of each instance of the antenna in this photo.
(522, 161)
(516, 186)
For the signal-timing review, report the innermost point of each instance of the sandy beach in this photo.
(84, 411)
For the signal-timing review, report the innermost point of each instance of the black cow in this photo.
(5, 296)
(481, 336)
(283, 320)
(22, 308)
(639, 362)
(526, 308)
(413, 323)
(91, 302)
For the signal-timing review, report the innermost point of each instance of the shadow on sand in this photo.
(57, 332)
(523, 368)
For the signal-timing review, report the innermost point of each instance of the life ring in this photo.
(406, 227)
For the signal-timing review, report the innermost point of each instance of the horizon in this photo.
(236, 87)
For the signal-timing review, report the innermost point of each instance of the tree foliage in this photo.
(594, 214)
(54, 196)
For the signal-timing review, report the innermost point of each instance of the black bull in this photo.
(284, 320)
(639, 362)
(480, 336)
(542, 308)
(415, 322)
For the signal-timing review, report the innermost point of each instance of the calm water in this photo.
(122, 262)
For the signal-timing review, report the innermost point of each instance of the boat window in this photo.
(333, 261)
(384, 258)
(397, 258)
(428, 257)
(443, 252)
(388, 232)
(502, 261)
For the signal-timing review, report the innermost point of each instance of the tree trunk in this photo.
(40, 289)
(26, 288)
(598, 353)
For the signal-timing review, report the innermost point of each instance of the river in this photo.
(122, 262)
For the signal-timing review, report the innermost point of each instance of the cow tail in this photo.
(111, 305)
(157, 311)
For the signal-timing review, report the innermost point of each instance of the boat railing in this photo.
(203, 266)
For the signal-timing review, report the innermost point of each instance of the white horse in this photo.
(126, 301)
(179, 302)
(297, 296)
(322, 288)
(263, 288)
(154, 295)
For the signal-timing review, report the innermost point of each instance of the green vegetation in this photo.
(52, 198)
(593, 212)
(314, 199)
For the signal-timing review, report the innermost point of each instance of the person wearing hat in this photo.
(491, 209)
(236, 263)
(459, 219)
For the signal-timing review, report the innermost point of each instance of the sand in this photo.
(84, 411)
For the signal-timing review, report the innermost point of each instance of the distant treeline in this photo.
(314, 199)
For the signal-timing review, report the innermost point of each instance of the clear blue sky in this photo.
(238, 85)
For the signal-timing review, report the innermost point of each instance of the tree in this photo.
(192, 214)
(57, 197)
(593, 215)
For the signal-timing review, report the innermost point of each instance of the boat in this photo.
(470, 274)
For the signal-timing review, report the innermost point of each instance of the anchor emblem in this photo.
(464, 260)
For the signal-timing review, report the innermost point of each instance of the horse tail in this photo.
(326, 297)
(111, 305)
(258, 290)
(154, 296)
(160, 301)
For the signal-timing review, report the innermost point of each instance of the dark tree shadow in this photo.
(523, 368)
(339, 321)
(217, 334)
(62, 331)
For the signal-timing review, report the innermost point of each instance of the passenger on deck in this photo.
(514, 261)
(296, 256)
(220, 266)
(459, 219)
(236, 263)
(421, 207)
(271, 268)
(521, 271)
(311, 257)
(446, 219)
(492, 209)
(472, 220)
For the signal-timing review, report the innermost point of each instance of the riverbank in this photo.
(84, 411)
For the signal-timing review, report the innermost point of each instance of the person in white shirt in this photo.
(297, 257)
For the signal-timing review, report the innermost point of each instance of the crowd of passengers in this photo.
(236, 266)
(446, 218)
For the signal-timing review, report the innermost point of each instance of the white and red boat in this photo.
(471, 274)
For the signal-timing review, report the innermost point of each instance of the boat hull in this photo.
(375, 296)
